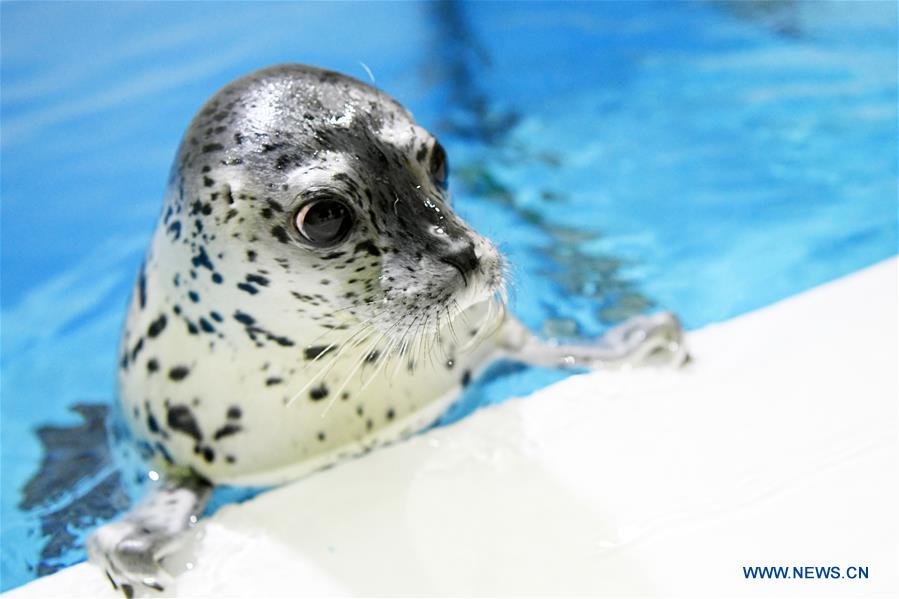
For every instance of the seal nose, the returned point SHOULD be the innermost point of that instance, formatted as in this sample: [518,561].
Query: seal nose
[464,260]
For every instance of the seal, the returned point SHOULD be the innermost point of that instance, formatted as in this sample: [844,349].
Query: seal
[309,294]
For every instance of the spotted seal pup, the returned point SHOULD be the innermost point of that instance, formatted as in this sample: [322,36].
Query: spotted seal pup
[308,294]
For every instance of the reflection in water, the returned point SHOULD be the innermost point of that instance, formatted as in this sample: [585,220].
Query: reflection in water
[781,16]
[458,58]
[76,487]
[459,62]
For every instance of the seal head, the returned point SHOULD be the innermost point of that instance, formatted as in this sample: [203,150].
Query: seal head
[306,241]
[332,176]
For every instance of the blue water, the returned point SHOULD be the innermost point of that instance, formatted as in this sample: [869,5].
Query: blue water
[704,158]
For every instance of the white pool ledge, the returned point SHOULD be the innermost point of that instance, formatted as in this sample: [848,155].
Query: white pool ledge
[776,446]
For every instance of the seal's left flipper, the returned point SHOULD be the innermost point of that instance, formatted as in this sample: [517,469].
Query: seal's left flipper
[656,339]
[131,549]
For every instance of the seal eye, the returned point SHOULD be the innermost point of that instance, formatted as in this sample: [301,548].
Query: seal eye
[324,221]
[439,166]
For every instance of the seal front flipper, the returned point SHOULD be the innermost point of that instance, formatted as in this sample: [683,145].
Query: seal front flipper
[130,550]
[656,339]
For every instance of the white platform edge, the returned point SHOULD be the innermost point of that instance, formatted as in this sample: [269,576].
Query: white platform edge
[776,446]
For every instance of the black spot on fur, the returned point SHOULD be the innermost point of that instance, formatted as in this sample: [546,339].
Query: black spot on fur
[245,319]
[280,234]
[152,424]
[202,259]
[163,450]
[227,430]
[318,393]
[257,279]
[311,353]
[156,326]
[367,246]
[137,347]
[253,331]
[179,373]
[181,419]
[142,287]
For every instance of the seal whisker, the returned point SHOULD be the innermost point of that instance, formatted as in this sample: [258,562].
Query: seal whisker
[322,372]
[363,357]
[421,350]
[386,356]
[406,343]
[449,321]
[327,332]
[347,342]
[351,306]
[500,307]
[466,318]
[439,341]
[424,346]
[478,331]
[428,344]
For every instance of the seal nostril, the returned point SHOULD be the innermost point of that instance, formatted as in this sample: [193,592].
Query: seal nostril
[465,261]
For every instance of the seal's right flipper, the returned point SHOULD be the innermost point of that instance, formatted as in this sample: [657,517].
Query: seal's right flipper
[131,549]
[656,339]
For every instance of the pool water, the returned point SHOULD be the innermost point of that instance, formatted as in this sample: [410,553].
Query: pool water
[705,158]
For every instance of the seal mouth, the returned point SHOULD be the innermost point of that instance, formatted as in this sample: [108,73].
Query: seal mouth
[464,259]
[485,281]
[458,266]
